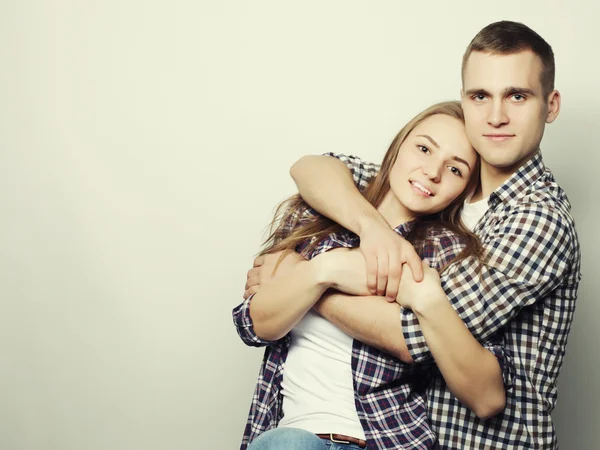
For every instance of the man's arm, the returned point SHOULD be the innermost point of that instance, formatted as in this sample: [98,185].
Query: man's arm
[473,373]
[284,300]
[369,319]
[290,286]
[527,257]
[269,314]
[331,186]
[327,185]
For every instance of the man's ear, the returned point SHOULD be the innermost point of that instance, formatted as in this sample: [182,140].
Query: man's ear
[553,106]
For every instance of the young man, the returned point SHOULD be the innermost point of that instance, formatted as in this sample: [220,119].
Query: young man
[527,288]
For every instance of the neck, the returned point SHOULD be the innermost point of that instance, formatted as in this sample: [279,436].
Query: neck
[491,178]
[393,211]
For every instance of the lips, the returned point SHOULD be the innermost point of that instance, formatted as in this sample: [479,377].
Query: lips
[420,189]
[499,137]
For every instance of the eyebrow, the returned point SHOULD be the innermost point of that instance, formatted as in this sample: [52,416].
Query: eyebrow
[455,158]
[511,90]
[460,160]
[430,139]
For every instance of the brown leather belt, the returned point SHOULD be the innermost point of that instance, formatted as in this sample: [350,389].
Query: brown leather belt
[343,439]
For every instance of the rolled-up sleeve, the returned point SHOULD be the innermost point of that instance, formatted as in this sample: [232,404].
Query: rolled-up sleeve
[363,172]
[440,247]
[244,327]
[507,365]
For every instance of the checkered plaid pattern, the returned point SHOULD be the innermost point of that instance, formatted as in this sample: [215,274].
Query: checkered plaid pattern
[389,395]
[525,291]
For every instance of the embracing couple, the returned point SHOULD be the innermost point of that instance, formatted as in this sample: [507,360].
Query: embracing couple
[424,302]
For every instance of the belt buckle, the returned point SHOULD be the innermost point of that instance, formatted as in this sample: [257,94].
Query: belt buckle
[336,441]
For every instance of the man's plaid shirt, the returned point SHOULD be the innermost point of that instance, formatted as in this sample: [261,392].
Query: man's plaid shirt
[389,395]
[527,290]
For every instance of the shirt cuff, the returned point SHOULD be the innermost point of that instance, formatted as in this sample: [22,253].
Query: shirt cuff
[413,337]
[507,364]
[245,327]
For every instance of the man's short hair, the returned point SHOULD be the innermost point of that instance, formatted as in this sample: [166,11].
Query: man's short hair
[506,38]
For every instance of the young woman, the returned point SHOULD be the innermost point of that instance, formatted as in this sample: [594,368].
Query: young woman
[318,388]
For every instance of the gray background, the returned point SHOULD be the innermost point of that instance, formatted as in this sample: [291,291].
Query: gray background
[143,147]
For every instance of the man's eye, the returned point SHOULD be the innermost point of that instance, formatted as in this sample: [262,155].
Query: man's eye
[479,97]
[518,97]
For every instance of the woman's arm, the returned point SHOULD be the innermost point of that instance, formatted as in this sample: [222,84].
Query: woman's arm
[285,294]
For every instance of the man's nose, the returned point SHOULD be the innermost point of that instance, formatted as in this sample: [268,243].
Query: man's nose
[497,114]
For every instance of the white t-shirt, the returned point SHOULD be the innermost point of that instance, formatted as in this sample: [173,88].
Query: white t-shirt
[317,385]
[473,212]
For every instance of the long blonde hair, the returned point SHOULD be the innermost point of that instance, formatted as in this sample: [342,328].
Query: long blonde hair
[288,231]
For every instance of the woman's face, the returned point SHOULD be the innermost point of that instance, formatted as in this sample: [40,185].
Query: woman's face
[433,165]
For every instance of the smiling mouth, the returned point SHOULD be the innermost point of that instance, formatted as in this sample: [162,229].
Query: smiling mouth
[421,189]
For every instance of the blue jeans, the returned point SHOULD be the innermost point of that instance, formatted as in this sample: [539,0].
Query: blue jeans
[295,439]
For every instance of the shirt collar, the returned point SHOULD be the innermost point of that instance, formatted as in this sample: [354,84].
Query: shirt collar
[518,182]
[348,238]
[404,228]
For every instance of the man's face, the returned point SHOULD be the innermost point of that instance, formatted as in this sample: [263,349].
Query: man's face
[505,108]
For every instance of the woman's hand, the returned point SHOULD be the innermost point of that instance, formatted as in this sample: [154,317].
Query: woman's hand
[267,266]
[417,296]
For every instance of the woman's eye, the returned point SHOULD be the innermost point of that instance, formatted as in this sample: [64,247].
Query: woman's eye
[455,171]
[423,148]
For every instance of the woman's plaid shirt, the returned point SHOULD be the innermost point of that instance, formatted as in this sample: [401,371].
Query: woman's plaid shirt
[389,395]
[526,290]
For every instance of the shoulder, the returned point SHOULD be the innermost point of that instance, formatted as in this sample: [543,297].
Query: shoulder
[353,161]
[440,245]
[544,208]
[363,172]
[538,222]
[443,236]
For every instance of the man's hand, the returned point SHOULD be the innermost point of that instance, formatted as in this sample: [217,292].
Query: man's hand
[264,269]
[385,251]
[413,295]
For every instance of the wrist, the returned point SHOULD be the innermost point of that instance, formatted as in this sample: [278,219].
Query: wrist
[428,305]
[369,219]
[323,271]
